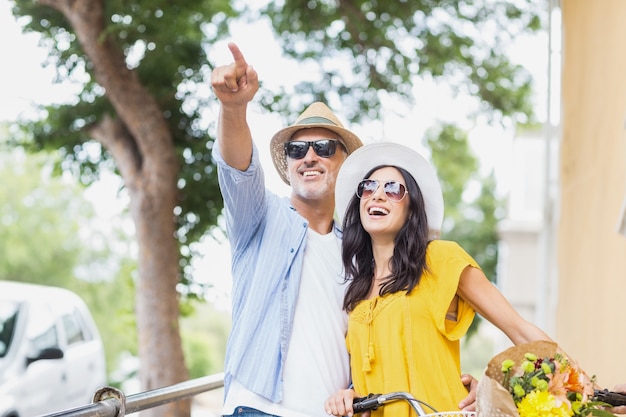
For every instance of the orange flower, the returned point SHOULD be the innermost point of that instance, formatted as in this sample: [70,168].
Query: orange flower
[574,381]
[558,385]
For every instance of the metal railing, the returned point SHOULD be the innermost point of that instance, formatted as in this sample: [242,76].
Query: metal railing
[111,402]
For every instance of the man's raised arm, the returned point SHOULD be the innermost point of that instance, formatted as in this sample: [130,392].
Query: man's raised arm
[235,85]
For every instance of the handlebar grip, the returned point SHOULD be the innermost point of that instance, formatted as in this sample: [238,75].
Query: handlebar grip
[365,403]
[614,398]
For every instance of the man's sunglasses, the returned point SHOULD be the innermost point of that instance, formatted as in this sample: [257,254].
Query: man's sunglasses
[325,148]
[394,190]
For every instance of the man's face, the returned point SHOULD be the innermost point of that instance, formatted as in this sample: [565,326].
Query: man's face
[313,176]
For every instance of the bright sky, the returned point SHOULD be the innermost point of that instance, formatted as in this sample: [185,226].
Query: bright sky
[23,79]
[24,82]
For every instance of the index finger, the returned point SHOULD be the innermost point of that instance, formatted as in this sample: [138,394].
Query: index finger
[240,61]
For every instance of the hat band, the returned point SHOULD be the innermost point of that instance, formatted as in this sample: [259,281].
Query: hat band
[316,120]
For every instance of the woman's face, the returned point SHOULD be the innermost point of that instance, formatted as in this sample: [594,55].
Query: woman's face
[381,212]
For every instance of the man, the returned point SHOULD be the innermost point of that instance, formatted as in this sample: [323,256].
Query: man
[286,352]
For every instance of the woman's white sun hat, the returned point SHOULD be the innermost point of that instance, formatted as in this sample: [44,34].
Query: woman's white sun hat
[367,157]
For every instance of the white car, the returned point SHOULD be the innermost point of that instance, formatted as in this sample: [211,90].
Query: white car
[51,354]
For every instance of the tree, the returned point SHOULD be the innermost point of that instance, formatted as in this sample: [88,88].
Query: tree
[141,65]
[135,109]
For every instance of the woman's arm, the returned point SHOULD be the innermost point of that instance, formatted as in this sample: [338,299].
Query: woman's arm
[488,301]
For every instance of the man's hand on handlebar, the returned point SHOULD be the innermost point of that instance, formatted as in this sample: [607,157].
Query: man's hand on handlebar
[620,388]
[469,402]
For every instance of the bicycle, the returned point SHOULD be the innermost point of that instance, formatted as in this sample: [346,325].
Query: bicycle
[374,401]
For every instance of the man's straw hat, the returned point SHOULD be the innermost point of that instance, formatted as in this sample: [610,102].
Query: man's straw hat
[316,115]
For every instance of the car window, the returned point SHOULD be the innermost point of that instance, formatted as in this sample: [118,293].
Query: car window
[40,330]
[8,317]
[74,327]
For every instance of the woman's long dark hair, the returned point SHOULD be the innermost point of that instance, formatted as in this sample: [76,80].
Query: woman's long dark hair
[408,262]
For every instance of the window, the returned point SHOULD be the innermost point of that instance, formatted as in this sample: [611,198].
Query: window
[8,317]
[73,325]
[41,331]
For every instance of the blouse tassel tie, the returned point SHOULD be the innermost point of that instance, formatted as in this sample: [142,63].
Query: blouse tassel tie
[369,356]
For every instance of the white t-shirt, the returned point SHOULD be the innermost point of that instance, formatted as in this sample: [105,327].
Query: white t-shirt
[317,363]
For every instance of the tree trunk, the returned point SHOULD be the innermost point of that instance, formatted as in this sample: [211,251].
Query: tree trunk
[139,139]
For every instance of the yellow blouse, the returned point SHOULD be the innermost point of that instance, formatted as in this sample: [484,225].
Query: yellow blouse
[403,342]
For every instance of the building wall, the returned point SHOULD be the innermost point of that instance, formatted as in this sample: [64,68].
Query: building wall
[591,310]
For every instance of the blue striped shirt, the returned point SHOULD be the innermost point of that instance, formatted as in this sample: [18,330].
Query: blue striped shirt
[267,238]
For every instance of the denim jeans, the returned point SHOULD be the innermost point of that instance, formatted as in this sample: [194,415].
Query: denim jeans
[249,412]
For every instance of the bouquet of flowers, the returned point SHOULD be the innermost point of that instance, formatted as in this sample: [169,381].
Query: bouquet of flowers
[536,380]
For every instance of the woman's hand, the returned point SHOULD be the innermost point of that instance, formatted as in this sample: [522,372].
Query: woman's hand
[340,404]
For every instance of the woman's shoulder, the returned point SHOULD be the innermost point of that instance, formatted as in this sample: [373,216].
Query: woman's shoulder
[442,246]
[448,250]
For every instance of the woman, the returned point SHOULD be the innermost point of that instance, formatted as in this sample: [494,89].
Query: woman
[410,297]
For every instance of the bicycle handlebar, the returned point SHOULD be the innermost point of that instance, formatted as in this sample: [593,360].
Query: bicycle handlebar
[610,397]
[366,403]
[373,401]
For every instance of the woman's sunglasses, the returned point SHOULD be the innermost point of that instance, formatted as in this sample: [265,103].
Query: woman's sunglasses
[297,149]
[394,190]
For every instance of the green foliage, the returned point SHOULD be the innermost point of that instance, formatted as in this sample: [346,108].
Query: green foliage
[469,220]
[165,42]
[40,220]
[456,166]
[386,44]
[200,359]
[112,304]
[204,336]
[46,237]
